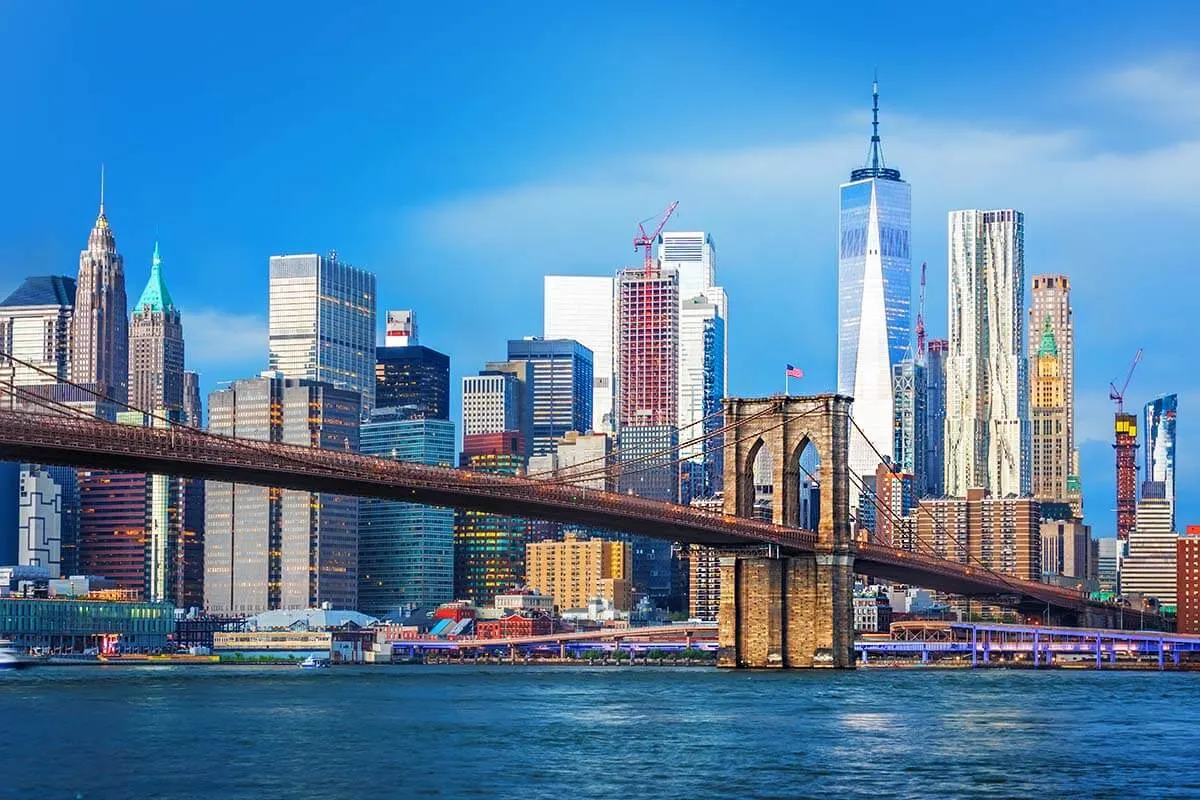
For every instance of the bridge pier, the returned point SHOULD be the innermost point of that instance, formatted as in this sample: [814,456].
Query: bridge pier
[779,613]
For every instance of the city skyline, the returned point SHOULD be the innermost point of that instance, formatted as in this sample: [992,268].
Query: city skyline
[754,256]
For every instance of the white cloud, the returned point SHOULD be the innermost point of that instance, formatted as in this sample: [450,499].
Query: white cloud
[1165,89]
[225,344]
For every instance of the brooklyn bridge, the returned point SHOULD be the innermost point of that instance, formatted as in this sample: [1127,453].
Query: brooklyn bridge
[786,592]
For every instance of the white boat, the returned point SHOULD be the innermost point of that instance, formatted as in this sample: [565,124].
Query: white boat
[11,659]
[313,663]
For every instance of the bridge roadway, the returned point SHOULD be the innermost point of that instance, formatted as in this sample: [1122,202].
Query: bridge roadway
[55,439]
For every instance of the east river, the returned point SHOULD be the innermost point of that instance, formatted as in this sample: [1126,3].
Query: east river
[642,732]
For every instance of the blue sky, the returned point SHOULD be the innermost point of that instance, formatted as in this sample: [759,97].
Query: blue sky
[463,154]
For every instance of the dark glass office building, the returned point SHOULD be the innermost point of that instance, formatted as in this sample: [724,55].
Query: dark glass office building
[562,388]
[415,379]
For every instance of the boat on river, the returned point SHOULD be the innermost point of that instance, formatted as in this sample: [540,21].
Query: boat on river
[11,658]
[314,663]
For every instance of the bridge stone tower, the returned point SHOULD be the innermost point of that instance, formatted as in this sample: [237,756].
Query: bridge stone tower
[796,611]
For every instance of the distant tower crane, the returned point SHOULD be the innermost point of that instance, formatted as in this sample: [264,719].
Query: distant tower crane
[921,320]
[1125,445]
[647,241]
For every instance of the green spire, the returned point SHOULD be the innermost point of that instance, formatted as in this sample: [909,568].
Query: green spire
[1048,347]
[155,295]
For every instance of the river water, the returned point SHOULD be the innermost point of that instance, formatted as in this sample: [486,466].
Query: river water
[545,732]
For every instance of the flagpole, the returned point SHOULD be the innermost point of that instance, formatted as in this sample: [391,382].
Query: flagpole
[786,385]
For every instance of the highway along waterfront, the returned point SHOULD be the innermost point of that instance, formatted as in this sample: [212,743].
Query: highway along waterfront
[540,732]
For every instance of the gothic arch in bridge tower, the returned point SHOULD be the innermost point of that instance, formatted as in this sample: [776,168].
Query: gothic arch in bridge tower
[786,427]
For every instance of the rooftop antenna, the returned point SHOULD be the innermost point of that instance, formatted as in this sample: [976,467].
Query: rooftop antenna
[102,188]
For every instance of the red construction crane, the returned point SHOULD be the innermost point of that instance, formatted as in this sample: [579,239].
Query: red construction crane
[921,320]
[647,240]
[1118,395]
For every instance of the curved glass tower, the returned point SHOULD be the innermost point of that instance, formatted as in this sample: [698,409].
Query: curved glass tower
[874,298]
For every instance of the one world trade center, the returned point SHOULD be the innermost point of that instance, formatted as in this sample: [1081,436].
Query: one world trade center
[874,299]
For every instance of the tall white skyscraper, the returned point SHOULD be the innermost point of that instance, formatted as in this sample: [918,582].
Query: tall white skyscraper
[693,256]
[988,435]
[400,330]
[874,299]
[581,308]
[322,322]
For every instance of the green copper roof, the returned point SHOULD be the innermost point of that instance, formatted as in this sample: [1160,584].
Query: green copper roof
[155,295]
[1048,347]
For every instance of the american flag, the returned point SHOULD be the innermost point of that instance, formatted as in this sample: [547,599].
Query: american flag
[794,372]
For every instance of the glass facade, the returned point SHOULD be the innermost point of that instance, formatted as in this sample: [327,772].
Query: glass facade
[489,549]
[649,470]
[935,411]
[415,379]
[562,388]
[267,548]
[908,446]
[405,550]
[75,625]
[1160,445]
[322,322]
[701,390]
[874,306]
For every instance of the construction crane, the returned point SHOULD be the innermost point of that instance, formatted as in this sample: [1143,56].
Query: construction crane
[647,241]
[1118,395]
[921,320]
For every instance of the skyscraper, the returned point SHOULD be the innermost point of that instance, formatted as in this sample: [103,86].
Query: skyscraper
[1149,567]
[489,403]
[702,357]
[1160,445]
[156,347]
[910,434]
[405,550]
[1050,306]
[35,325]
[693,256]
[400,329]
[935,410]
[414,378]
[581,308]
[39,521]
[322,322]
[193,411]
[562,387]
[1050,461]
[987,394]
[874,298]
[99,340]
[489,549]
[267,548]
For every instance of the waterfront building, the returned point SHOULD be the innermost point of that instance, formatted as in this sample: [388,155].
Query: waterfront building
[514,625]
[39,521]
[561,396]
[1051,455]
[1160,445]
[1066,550]
[413,378]
[489,549]
[987,393]
[1187,581]
[35,326]
[578,569]
[1002,534]
[935,416]
[872,613]
[1149,568]
[524,600]
[704,569]
[268,548]
[99,339]
[581,308]
[321,321]
[156,381]
[874,298]
[112,529]
[909,436]
[1050,309]
[400,329]
[405,550]
[77,624]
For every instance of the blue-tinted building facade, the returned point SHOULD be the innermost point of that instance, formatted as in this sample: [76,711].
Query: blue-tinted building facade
[415,379]
[1160,445]
[405,550]
[562,388]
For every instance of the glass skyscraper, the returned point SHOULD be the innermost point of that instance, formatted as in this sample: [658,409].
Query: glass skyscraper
[935,418]
[322,322]
[581,308]
[413,378]
[1160,445]
[405,550]
[562,388]
[874,297]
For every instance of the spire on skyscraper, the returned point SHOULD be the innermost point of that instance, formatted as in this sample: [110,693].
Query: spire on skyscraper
[875,167]
[155,296]
[101,239]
